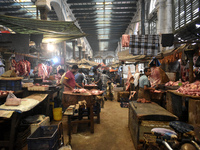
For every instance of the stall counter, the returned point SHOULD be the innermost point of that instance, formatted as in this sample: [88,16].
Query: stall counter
[15,116]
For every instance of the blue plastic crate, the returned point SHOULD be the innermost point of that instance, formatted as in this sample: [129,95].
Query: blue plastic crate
[44,138]
[2,85]
[3,88]
[13,88]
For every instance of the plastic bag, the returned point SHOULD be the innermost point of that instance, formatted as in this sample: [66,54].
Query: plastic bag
[154,62]
[12,100]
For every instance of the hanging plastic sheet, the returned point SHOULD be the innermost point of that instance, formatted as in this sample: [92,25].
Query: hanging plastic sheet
[154,62]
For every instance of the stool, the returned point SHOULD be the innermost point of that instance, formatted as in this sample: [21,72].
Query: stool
[70,111]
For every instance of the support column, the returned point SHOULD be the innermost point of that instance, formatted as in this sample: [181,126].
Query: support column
[43,13]
[80,50]
[83,54]
[161,17]
[74,55]
[44,7]
[169,16]
[64,54]
[86,56]
[161,20]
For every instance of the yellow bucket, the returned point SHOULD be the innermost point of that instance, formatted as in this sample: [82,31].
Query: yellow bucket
[57,114]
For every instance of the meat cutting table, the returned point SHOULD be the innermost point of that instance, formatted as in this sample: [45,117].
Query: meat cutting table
[145,116]
[184,106]
[15,116]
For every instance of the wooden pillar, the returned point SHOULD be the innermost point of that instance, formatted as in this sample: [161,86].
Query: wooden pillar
[86,56]
[194,111]
[80,50]
[43,13]
[74,55]
[190,54]
[191,77]
[64,54]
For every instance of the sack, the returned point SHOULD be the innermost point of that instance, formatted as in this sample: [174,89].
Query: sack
[12,100]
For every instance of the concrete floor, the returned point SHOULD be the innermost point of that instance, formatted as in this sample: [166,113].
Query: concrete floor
[111,134]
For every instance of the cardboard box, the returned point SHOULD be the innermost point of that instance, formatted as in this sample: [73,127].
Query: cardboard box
[38,88]
[25,85]
[45,122]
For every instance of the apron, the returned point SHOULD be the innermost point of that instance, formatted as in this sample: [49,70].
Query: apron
[144,94]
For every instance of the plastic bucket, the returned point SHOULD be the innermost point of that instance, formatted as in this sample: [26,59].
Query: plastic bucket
[57,114]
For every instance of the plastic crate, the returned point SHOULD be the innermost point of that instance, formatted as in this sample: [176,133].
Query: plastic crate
[44,138]
[44,122]
[13,85]
[124,99]
[3,85]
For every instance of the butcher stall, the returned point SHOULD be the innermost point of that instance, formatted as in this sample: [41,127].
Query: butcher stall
[11,120]
[145,116]
[185,102]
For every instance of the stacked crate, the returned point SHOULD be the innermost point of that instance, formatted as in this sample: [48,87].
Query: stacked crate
[45,137]
[10,84]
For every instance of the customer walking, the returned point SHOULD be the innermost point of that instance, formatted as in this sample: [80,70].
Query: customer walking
[105,78]
[79,78]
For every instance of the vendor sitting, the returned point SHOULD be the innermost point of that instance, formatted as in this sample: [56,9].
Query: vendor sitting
[144,85]
[69,79]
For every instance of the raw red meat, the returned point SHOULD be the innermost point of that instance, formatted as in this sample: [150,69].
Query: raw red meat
[155,77]
[13,102]
[142,100]
[82,90]
[190,89]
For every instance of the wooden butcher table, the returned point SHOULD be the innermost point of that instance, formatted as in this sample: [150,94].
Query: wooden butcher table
[145,116]
[186,107]
[90,86]
[70,98]
[13,115]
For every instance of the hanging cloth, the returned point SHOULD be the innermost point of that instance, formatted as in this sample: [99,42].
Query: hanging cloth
[167,40]
[144,45]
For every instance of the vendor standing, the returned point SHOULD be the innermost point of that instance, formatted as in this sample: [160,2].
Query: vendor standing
[60,83]
[97,79]
[144,85]
[69,79]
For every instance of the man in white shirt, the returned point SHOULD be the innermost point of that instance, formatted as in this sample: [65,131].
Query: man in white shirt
[62,73]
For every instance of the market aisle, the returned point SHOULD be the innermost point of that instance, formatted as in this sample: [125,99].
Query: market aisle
[111,134]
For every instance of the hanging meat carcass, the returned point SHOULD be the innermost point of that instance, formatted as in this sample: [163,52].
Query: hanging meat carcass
[158,76]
